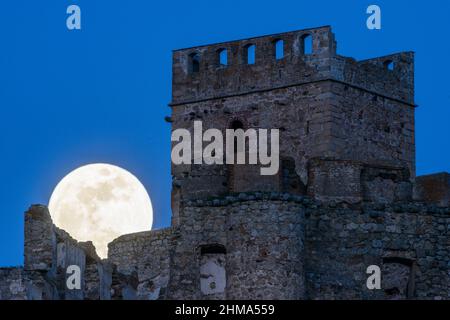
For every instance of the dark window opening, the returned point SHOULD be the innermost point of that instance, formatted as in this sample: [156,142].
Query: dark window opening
[194,63]
[392,291]
[213,249]
[279,49]
[236,124]
[389,65]
[223,57]
[291,182]
[404,261]
[307,44]
[250,53]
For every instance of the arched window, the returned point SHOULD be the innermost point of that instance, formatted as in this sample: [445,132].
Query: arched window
[307,44]
[389,65]
[250,53]
[223,57]
[279,49]
[194,62]
[236,124]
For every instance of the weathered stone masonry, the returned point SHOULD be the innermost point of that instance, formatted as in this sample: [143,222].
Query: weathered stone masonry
[346,195]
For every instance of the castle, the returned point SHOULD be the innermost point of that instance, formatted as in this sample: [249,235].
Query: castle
[346,195]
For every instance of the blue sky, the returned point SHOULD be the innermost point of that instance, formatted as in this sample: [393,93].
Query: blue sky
[69,98]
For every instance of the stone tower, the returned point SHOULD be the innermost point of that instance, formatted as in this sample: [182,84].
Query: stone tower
[339,119]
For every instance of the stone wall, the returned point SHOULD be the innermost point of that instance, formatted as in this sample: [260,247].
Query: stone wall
[145,255]
[255,246]
[12,284]
[343,240]
[375,76]
[356,181]
[48,253]
[248,247]
[369,127]
[262,236]
[298,112]
[281,246]
[433,188]
[237,77]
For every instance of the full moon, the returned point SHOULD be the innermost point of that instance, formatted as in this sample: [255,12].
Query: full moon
[100,202]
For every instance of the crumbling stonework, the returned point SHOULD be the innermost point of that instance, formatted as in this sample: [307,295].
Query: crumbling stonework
[12,286]
[261,241]
[342,200]
[343,240]
[48,253]
[147,256]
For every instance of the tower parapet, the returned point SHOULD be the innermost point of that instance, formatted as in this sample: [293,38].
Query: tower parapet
[198,73]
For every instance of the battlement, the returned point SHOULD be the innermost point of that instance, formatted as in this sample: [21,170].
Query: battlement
[390,76]
[281,60]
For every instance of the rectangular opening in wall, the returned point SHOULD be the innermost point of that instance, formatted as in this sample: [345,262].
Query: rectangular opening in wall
[398,278]
[279,49]
[307,44]
[212,269]
[250,49]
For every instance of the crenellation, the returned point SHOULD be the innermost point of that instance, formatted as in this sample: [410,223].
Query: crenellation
[214,80]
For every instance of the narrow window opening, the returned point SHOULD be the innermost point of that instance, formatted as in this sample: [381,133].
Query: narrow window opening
[235,125]
[223,57]
[194,63]
[279,49]
[250,51]
[307,44]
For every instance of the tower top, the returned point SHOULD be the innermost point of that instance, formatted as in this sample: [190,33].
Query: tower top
[280,60]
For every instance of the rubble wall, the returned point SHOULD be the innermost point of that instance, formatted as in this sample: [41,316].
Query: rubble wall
[412,238]
[260,239]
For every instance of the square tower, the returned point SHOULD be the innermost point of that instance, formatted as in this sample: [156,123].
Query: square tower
[326,106]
